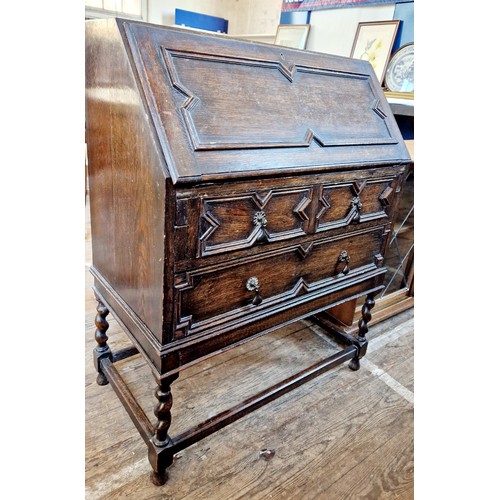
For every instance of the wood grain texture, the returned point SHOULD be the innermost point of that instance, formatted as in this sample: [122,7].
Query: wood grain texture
[400,368]
[215,222]
[236,222]
[126,179]
[257,85]
[354,452]
[145,227]
[190,269]
[204,139]
[344,447]
[323,453]
[283,275]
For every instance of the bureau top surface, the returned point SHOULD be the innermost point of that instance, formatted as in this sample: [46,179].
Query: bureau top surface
[223,108]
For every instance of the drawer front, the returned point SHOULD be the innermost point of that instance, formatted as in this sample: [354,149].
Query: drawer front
[215,221]
[238,222]
[342,204]
[224,293]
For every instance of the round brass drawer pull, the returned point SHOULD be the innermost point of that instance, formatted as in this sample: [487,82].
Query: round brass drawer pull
[345,258]
[253,285]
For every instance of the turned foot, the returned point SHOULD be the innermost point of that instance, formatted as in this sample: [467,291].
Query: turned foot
[354,364]
[101,379]
[159,478]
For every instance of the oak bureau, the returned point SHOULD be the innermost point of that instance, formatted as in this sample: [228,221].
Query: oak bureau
[234,187]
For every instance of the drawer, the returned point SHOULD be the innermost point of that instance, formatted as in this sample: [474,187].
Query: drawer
[216,221]
[344,203]
[240,221]
[265,284]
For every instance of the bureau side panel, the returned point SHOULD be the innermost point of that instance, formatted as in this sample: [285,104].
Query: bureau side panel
[126,181]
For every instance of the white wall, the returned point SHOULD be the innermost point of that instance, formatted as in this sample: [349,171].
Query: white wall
[163,11]
[244,16]
[256,17]
[333,30]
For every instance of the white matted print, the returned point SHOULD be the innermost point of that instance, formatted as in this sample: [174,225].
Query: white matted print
[373,42]
[292,35]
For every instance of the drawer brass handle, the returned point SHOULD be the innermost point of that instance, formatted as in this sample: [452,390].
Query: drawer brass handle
[345,258]
[253,285]
[357,206]
[259,219]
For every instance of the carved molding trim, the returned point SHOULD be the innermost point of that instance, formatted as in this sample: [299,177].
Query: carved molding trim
[378,109]
[182,282]
[401,179]
[289,70]
[213,225]
[300,208]
[301,291]
[358,186]
[260,231]
[261,201]
[354,213]
[324,204]
[385,196]
[378,259]
[186,325]
[304,250]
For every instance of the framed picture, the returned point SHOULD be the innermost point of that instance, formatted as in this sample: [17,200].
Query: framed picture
[292,35]
[373,42]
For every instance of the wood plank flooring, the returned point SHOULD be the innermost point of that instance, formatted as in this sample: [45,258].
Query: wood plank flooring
[344,435]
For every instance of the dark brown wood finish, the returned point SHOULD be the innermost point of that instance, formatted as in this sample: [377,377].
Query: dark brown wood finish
[259,215]
[206,139]
[102,350]
[219,421]
[361,341]
[235,187]
[129,245]
[398,293]
[284,275]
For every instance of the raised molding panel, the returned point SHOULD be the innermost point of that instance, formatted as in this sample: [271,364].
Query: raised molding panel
[237,222]
[314,272]
[216,119]
[357,202]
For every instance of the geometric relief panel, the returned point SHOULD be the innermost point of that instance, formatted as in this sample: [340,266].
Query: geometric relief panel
[220,94]
[232,223]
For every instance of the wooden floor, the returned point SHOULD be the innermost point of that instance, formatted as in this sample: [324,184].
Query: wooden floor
[355,441]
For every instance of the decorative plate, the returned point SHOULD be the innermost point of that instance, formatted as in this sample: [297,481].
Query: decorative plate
[399,76]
